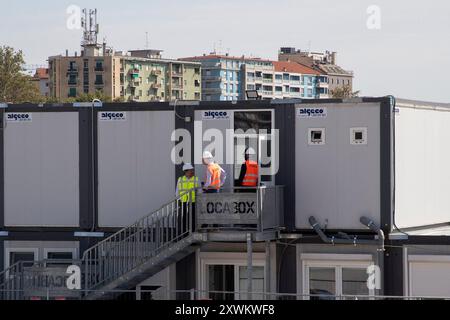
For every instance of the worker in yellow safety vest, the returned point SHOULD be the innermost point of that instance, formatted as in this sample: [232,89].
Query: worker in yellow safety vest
[185,191]
[215,175]
[187,183]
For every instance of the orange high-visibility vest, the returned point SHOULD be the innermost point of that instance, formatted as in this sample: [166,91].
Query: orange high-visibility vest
[251,174]
[214,171]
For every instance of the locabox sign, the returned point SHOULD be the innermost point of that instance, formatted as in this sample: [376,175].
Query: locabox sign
[227,208]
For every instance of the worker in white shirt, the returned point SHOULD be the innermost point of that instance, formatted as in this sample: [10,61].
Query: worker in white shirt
[215,175]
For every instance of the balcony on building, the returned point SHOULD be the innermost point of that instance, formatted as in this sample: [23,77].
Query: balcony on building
[211,90]
[177,70]
[156,72]
[278,78]
[135,83]
[211,78]
[267,78]
[155,85]
[278,91]
[134,73]
[296,80]
[177,85]
[322,82]
[258,76]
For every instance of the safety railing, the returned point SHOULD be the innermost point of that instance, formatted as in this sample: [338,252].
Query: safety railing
[163,293]
[130,247]
[28,279]
[258,209]
[11,282]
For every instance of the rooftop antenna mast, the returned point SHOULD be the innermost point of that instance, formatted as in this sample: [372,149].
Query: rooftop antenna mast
[146,40]
[90,27]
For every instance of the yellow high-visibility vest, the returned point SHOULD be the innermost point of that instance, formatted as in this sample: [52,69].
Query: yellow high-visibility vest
[184,185]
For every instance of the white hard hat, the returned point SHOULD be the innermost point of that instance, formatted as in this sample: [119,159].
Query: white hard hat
[250,152]
[188,166]
[207,155]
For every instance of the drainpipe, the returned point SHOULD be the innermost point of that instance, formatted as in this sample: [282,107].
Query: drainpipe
[373,226]
[380,256]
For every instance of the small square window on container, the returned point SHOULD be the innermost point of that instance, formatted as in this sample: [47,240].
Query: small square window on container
[358,136]
[316,136]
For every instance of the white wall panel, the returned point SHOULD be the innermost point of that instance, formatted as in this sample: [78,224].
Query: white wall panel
[135,173]
[41,165]
[338,182]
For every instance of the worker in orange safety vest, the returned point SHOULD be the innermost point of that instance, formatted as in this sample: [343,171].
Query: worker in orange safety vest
[249,176]
[215,175]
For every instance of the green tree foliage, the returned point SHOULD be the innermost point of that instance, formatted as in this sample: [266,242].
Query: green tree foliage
[343,92]
[16,87]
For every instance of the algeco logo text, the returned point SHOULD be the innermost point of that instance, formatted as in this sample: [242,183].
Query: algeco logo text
[112,116]
[18,117]
[213,115]
[311,112]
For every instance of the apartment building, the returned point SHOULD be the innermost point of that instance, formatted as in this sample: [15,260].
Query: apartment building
[223,76]
[127,76]
[324,62]
[40,80]
[284,80]
[137,75]
[71,76]
[156,79]
[226,77]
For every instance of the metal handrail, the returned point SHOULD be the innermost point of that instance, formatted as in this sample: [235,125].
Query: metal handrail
[120,255]
[131,246]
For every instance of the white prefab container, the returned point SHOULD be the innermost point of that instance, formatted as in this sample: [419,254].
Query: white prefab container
[422,158]
[135,172]
[41,169]
[337,164]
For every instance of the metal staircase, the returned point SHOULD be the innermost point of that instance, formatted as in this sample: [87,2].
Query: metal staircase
[139,251]
[126,258]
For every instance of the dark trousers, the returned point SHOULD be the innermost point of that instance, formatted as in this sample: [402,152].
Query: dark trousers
[186,209]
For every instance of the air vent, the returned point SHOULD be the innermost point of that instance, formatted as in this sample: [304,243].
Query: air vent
[316,136]
[358,136]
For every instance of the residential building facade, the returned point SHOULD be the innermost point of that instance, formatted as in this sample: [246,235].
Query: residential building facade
[227,78]
[334,76]
[126,76]
[40,79]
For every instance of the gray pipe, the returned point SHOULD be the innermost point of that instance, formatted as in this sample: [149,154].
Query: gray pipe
[375,228]
[333,240]
[381,238]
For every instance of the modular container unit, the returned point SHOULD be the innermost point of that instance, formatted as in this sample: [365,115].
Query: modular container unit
[71,176]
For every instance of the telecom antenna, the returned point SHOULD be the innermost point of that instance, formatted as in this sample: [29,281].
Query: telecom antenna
[146,40]
[90,27]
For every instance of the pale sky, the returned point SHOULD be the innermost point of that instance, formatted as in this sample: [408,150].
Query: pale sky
[408,57]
